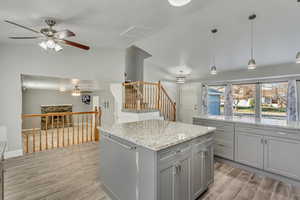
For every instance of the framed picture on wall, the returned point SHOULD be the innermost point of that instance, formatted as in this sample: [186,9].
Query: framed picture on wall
[86,99]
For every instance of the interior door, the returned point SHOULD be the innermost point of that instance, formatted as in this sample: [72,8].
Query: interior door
[189,101]
[249,149]
[281,156]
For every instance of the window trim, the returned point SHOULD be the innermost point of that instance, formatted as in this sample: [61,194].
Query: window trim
[258,82]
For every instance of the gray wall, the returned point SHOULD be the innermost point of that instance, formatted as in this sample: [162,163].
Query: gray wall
[96,64]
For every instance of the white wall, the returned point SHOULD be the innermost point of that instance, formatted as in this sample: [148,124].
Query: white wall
[96,64]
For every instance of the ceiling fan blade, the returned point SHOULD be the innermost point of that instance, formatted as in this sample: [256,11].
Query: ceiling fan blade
[33,37]
[75,44]
[63,34]
[13,23]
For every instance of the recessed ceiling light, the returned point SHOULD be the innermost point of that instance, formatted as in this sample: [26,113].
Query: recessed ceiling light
[179,3]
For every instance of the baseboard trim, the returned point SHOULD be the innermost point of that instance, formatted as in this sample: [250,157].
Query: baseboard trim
[11,154]
[259,172]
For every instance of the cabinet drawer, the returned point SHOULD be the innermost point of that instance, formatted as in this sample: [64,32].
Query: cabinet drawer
[269,131]
[218,124]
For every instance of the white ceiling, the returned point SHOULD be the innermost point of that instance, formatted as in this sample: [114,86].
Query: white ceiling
[188,42]
[98,23]
[175,37]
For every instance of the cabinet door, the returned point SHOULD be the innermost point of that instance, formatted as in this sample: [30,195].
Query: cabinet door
[198,172]
[167,182]
[209,165]
[249,149]
[183,177]
[281,157]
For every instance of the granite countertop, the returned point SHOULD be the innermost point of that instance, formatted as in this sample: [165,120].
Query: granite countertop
[156,135]
[255,121]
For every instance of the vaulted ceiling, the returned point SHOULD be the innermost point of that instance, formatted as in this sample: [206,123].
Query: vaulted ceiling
[177,38]
[187,44]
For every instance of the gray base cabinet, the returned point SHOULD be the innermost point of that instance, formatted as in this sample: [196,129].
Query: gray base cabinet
[281,156]
[272,149]
[180,172]
[249,149]
[224,137]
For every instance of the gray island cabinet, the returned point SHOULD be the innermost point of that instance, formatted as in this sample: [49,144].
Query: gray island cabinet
[156,160]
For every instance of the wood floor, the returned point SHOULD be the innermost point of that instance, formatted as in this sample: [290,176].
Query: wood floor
[73,174]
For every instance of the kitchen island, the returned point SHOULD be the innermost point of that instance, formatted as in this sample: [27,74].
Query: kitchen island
[156,160]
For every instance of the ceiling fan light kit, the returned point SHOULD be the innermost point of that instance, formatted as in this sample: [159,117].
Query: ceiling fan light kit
[179,3]
[52,38]
[181,78]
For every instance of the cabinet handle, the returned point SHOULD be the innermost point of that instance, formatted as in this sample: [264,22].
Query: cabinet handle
[281,133]
[262,141]
[266,141]
[118,143]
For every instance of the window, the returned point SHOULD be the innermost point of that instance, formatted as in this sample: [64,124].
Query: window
[215,100]
[244,99]
[274,100]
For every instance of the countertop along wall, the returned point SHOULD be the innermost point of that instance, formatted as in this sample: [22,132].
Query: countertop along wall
[96,64]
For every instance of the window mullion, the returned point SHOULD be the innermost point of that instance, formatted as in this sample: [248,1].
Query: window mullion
[258,100]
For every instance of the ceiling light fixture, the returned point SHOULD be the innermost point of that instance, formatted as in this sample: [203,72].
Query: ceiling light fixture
[50,44]
[298,58]
[179,3]
[181,78]
[252,62]
[213,69]
[76,92]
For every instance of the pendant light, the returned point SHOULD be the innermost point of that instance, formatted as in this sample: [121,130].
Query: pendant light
[213,69]
[179,3]
[76,91]
[252,62]
[298,58]
[181,78]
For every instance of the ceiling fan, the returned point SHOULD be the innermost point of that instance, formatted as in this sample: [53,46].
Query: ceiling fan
[51,38]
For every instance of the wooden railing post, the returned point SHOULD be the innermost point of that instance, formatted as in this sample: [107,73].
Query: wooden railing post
[158,95]
[97,123]
[174,110]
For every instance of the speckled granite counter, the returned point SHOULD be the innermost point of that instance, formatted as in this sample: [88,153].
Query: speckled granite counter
[255,121]
[156,134]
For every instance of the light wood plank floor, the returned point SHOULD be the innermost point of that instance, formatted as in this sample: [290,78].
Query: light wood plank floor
[73,174]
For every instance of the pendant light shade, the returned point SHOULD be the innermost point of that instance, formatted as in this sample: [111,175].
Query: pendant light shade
[179,3]
[213,69]
[298,58]
[252,62]
[76,92]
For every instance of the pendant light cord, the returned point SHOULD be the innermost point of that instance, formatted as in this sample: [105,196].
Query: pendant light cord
[252,39]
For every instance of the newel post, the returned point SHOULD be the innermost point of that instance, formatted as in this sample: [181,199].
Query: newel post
[97,123]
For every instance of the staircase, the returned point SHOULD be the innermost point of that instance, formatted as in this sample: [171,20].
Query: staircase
[142,97]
